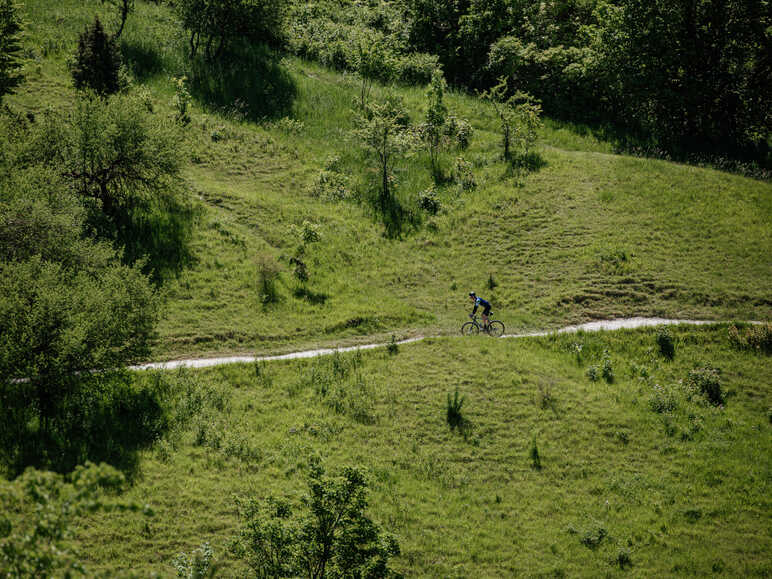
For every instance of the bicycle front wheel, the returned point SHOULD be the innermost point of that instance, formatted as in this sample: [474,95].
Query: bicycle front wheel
[470,329]
[496,329]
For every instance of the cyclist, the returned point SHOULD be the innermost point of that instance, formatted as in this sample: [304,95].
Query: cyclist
[485,305]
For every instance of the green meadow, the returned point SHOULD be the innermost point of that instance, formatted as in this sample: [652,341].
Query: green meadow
[588,454]
[622,486]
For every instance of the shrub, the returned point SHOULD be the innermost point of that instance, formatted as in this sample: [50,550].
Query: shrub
[97,64]
[36,517]
[416,68]
[607,371]
[429,202]
[328,531]
[593,536]
[662,399]
[268,274]
[181,101]
[461,130]
[593,373]
[453,414]
[10,47]
[197,565]
[330,186]
[463,175]
[665,343]
[707,381]
[492,283]
[393,347]
[755,337]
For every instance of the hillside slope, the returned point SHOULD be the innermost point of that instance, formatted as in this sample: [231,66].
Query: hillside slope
[587,235]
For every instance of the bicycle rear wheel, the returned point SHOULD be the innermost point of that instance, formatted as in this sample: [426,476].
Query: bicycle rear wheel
[470,329]
[495,328]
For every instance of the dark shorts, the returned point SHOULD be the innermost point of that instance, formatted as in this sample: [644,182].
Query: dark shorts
[486,311]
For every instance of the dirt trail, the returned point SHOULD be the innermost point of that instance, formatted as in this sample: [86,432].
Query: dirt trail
[588,327]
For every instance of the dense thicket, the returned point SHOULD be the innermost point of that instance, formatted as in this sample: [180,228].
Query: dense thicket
[214,25]
[684,76]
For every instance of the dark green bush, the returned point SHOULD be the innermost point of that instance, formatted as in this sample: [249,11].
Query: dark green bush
[97,64]
[665,343]
[328,534]
[429,202]
[707,381]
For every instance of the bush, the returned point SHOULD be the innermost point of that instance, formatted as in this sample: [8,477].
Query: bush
[36,518]
[707,381]
[416,68]
[330,186]
[757,337]
[663,400]
[197,565]
[463,175]
[97,64]
[10,47]
[393,347]
[429,202]
[328,531]
[267,275]
[665,343]
[607,371]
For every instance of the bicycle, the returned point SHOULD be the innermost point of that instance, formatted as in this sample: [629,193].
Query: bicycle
[495,328]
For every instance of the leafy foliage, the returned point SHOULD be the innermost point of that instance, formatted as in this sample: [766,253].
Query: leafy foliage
[216,25]
[383,130]
[38,509]
[519,115]
[328,536]
[124,163]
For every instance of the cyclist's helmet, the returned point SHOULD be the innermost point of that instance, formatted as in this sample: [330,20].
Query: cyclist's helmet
[472,295]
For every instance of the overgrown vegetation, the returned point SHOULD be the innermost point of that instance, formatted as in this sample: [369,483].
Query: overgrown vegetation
[329,535]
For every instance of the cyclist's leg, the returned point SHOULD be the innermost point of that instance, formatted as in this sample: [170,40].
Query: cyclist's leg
[485,314]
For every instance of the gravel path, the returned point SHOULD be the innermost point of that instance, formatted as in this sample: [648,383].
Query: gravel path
[588,327]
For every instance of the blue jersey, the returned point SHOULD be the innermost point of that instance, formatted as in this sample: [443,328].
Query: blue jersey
[481,302]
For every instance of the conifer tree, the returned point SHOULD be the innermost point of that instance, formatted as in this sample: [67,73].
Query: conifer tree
[97,61]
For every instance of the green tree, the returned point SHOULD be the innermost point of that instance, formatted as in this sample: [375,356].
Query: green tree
[36,517]
[382,129]
[10,47]
[125,7]
[693,74]
[329,536]
[373,63]
[520,119]
[124,163]
[217,24]
[97,64]
[433,130]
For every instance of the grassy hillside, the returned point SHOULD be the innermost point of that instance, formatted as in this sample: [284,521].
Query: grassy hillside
[639,474]
[587,235]
[624,487]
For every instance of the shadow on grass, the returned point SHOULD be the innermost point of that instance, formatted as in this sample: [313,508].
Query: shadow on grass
[142,60]
[104,418]
[157,231]
[249,81]
[312,297]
